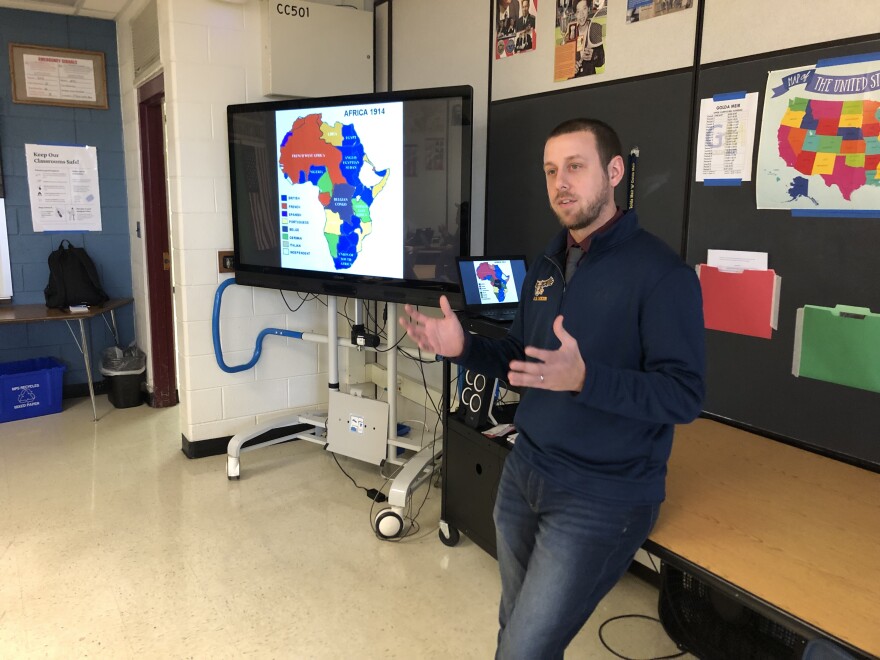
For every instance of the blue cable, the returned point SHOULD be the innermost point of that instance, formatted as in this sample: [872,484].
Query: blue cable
[215,331]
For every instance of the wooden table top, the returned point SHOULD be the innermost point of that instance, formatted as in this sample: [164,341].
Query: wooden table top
[793,528]
[38,312]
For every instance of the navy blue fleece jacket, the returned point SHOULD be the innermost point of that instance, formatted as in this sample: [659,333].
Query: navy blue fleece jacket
[635,309]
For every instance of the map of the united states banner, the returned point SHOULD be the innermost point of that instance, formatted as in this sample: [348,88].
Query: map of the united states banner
[820,137]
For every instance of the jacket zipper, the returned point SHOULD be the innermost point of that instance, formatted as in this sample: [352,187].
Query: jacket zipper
[564,284]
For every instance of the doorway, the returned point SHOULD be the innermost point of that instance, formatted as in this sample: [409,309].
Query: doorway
[151,119]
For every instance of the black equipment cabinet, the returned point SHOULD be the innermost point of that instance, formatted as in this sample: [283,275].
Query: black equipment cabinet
[472,465]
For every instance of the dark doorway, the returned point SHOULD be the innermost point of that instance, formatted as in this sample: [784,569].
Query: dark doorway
[151,97]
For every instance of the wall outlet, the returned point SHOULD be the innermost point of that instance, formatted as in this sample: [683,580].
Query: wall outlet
[225,261]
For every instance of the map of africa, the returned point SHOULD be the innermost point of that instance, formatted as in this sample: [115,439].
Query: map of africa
[837,140]
[495,277]
[332,158]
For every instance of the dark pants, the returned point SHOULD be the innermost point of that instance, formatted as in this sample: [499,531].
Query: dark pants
[559,553]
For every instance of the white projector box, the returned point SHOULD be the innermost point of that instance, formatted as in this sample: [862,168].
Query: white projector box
[312,50]
[357,427]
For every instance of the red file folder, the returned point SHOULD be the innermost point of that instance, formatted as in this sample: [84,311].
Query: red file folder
[745,302]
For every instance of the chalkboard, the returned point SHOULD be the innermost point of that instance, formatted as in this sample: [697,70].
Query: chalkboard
[651,113]
[822,261]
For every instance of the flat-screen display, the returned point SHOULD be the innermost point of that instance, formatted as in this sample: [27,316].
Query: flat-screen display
[365,196]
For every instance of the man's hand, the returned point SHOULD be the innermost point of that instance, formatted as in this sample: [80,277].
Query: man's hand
[441,336]
[562,370]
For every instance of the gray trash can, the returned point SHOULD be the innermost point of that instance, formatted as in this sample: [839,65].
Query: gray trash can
[124,371]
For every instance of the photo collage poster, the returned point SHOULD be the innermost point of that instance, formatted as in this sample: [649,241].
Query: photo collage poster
[580,38]
[515,27]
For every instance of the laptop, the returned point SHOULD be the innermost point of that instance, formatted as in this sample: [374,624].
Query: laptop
[491,286]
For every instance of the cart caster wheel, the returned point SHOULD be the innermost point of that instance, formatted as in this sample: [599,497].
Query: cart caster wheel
[388,524]
[451,540]
[233,468]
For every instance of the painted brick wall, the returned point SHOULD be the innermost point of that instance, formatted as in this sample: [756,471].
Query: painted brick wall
[21,124]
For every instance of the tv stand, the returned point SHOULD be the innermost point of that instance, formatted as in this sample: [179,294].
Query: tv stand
[390,522]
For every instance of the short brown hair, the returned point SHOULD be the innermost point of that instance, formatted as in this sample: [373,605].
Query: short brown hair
[607,141]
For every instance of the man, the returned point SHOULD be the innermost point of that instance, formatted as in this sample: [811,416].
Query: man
[525,22]
[523,42]
[591,41]
[609,356]
[507,9]
[582,14]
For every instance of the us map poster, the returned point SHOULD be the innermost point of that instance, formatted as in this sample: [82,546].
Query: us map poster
[580,39]
[819,147]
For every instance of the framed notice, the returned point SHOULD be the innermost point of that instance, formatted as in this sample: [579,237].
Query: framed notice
[58,76]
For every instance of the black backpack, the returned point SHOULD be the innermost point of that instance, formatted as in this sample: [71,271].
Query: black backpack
[73,278]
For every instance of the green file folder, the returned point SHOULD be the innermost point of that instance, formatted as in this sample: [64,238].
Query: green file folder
[839,345]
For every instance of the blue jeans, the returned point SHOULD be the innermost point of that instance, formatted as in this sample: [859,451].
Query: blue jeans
[559,553]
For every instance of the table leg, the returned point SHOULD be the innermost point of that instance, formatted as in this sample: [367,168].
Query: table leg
[115,330]
[85,352]
[112,326]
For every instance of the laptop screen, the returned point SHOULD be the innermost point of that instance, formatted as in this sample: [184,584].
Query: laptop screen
[489,282]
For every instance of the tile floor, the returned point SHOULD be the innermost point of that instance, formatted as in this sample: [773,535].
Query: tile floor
[113,544]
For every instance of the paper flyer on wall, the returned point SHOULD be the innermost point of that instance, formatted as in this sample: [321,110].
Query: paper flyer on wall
[726,137]
[642,10]
[5,267]
[515,27]
[580,39]
[819,148]
[60,78]
[63,185]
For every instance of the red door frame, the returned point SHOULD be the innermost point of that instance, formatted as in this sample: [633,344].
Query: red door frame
[151,96]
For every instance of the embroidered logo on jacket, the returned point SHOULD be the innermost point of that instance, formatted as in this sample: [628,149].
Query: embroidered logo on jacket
[540,285]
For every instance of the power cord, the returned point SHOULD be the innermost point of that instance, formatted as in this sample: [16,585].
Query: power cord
[391,348]
[633,616]
[374,494]
[303,301]
[373,316]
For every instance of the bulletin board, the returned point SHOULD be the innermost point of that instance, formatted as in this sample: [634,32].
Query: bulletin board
[651,113]
[823,261]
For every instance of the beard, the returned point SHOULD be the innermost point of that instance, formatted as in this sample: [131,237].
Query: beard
[588,212]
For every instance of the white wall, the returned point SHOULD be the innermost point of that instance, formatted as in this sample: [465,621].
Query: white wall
[422,55]
[131,141]
[748,27]
[659,44]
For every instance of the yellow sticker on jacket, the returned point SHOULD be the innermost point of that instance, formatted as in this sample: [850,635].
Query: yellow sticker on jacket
[540,286]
